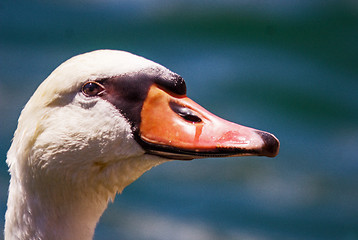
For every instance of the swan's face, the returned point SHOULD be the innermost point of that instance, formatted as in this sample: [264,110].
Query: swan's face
[101,109]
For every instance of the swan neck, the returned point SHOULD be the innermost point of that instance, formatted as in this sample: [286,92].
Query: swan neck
[45,204]
[52,213]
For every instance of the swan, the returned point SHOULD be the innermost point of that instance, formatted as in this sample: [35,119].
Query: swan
[96,124]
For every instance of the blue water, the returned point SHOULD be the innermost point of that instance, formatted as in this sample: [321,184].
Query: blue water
[287,68]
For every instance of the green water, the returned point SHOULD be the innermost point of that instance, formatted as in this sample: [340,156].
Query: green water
[290,69]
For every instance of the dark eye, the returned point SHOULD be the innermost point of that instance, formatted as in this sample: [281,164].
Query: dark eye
[185,112]
[91,89]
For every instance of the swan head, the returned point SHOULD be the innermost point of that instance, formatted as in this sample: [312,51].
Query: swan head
[97,123]
[107,116]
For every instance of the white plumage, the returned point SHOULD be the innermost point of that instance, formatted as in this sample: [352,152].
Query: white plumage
[62,147]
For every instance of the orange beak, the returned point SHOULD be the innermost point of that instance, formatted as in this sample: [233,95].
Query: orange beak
[176,127]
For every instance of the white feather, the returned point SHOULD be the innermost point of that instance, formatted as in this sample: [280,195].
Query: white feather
[70,155]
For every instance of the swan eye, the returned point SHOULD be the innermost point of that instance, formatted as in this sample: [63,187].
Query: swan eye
[185,113]
[91,89]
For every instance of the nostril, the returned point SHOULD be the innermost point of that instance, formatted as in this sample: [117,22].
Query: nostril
[190,118]
[185,112]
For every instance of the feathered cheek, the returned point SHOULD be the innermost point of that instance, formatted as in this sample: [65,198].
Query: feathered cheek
[113,133]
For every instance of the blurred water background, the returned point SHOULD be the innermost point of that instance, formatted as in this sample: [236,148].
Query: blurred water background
[287,67]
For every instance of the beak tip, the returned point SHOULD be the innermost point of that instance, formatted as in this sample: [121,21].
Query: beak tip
[271,144]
